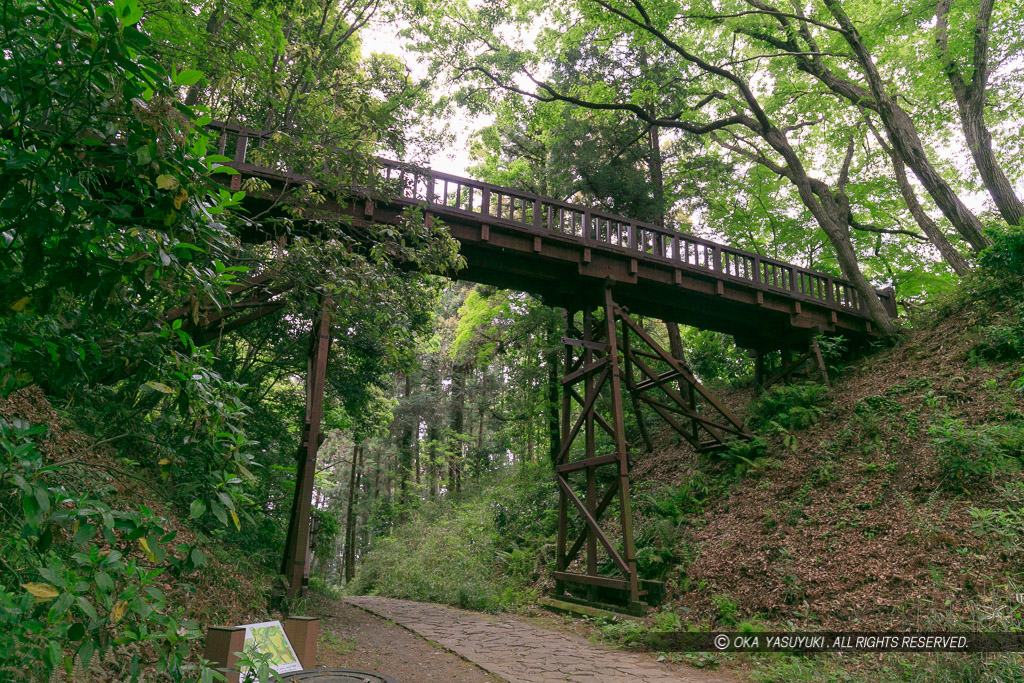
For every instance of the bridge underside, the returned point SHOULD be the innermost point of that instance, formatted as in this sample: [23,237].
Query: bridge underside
[566,273]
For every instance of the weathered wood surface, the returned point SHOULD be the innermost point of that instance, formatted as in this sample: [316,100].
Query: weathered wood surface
[563,252]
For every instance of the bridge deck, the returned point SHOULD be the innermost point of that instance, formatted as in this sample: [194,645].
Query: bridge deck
[564,252]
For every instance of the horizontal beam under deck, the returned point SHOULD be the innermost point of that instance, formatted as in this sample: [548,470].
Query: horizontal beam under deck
[565,253]
[565,273]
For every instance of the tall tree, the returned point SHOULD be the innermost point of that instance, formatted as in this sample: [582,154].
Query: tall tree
[970,91]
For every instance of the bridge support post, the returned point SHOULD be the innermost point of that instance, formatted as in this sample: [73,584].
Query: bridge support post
[295,565]
[602,356]
[592,359]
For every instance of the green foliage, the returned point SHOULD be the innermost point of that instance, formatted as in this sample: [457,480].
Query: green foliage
[478,551]
[524,506]
[745,450]
[449,558]
[624,632]
[971,457]
[715,357]
[1006,524]
[86,222]
[1006,255]
[728,609]
[661,512]
[1002,341]
[81,576]
[791,407]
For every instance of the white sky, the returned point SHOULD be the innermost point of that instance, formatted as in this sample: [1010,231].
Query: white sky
[381,37]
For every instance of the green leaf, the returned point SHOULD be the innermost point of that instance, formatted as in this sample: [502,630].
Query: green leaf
[85,533]
[197,509]
[219,512]
[129,12]
[104,582]
[188,77]
[43,498]
[160,386]
[87,608]
[85,654]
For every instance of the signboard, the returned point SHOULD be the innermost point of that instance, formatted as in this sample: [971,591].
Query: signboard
[268,638]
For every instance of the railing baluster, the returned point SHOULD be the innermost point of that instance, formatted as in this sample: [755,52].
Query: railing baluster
[423,184]
[241,147]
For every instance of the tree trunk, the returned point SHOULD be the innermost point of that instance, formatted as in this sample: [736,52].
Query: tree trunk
[935,235]
[655,166]
[349,560]
[213,26]
[458,425]
[432,472]
[903,134]
[675,346]
[405,455]
[970,102]
[833,219]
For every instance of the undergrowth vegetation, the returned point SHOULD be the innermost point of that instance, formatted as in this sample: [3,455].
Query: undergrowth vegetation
[940,450]
[479,549]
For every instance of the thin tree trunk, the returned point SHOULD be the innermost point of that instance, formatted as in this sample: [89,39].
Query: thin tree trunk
[213,26]
[904,136]
[349,555]
[935,235]
[529,436]
[458,425]
[432,472]
[655,166]
[405,456]
[970,102]
[675,345]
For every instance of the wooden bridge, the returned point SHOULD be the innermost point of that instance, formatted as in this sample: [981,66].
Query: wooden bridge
[559,251]
[604,270]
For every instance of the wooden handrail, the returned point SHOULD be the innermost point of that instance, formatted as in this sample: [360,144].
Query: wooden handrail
[545,215]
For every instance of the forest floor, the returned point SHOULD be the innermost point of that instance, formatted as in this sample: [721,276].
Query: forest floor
[415,641]
[353,638]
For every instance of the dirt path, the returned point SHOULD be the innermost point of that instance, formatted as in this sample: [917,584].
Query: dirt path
[351,638]
[518,651]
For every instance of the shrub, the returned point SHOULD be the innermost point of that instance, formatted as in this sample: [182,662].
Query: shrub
[790,407]
[714,356]
[479,551]
[1002,341]
[728,608]
[81,577]
[1006,255]
[451,559]
[971,457]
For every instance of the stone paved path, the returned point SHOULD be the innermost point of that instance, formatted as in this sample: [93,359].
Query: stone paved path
[521,652]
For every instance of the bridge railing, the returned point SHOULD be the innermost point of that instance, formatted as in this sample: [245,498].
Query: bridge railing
[545,216]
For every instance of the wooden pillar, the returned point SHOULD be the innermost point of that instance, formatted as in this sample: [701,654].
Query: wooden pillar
[295,565]
[590,448]
[619,428]
[303,632]
[566,427]
[222,645]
